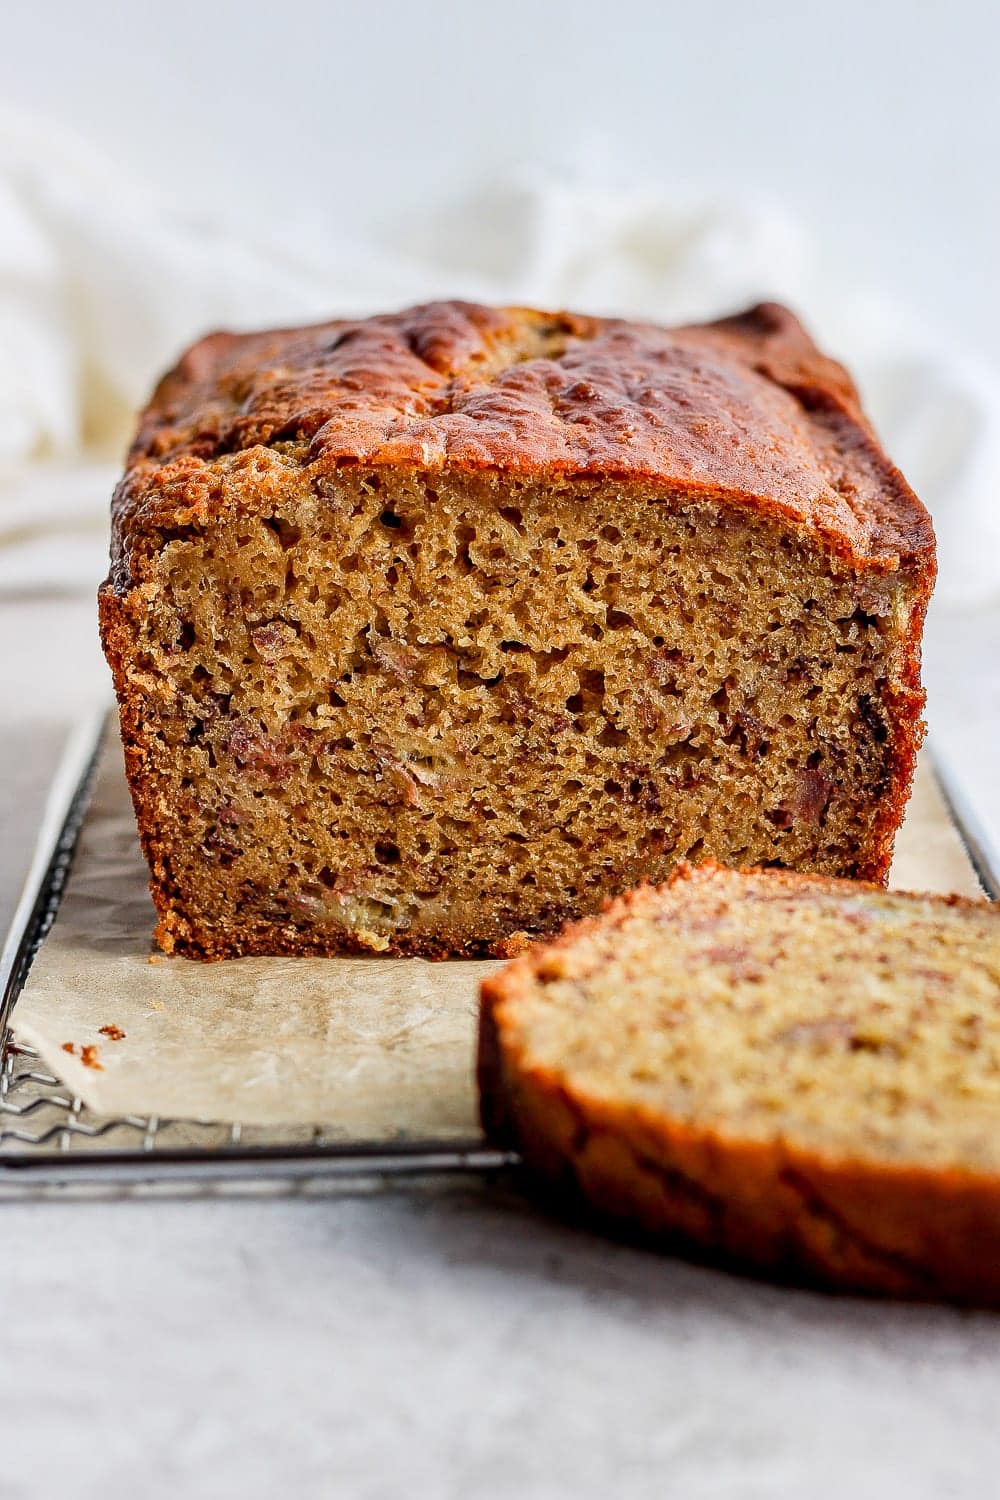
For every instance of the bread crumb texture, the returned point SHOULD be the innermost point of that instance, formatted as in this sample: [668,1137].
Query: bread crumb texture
[797,1071]
[434,630]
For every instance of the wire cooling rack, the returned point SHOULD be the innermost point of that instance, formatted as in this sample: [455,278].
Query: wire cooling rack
[51,1144]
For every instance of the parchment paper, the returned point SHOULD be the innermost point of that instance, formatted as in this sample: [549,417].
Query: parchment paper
[372,1048]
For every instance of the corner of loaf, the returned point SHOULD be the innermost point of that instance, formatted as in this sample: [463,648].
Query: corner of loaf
[436,628]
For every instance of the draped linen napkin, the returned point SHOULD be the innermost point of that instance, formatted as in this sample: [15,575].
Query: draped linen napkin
[102,283]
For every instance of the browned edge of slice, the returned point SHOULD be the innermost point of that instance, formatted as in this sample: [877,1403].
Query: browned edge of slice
[838,1222]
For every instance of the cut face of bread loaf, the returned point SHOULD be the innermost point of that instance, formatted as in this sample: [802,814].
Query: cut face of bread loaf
[440,627]
[800,1073]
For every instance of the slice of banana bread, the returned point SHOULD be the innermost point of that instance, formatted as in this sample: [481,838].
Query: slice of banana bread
[797,1072]
[442,626]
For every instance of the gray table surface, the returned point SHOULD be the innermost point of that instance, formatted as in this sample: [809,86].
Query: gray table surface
[451,1342]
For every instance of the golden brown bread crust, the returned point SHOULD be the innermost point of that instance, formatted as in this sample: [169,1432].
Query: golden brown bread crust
[850,1223]
[745,412]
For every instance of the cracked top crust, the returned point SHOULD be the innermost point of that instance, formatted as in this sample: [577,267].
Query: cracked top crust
[745,410]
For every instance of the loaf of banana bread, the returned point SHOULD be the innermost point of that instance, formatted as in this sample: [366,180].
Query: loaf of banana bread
[436,628]
[799,1073]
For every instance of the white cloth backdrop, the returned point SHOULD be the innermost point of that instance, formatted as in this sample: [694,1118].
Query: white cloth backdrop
[102,283]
